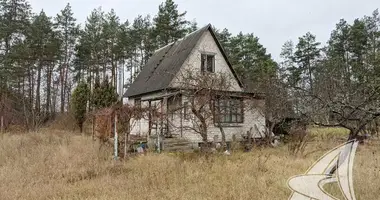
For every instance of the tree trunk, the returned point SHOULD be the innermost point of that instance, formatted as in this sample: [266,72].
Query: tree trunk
[48,90]
[353,134]
[38,96]
[223,135]
[61,75]
[66,89]
[205,146]
[81,128]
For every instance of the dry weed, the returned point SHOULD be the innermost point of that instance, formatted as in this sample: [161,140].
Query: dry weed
[62,165]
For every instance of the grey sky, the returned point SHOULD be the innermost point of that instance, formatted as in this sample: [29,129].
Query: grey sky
[273,21]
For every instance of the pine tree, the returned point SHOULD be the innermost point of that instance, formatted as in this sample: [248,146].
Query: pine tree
[338,50]
[193,26]
[111,28]
[143,42]
[124,44]
[224,38]
[249,59]
[169,23]
[68,32]
[306,55]
[42,39]
[90,50]
[14,23]
[358,41]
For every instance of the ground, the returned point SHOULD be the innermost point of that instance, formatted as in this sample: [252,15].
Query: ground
[63,165]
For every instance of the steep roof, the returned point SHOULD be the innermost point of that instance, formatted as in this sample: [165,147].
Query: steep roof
[164,64]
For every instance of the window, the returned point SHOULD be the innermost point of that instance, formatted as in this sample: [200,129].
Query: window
[229,110]
[186,115]
[207,63]
[138,103]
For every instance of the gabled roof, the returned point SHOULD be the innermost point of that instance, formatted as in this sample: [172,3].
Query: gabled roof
[164,64]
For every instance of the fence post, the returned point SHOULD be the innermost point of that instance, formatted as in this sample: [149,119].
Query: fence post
[116,138]
[1,124]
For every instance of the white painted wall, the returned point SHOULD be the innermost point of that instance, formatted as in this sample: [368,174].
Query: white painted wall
[252,117]
[206,44]
[141,127]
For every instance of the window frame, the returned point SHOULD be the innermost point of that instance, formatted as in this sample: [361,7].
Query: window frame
[204,62]
[186,113]
[138,102]
[232,110]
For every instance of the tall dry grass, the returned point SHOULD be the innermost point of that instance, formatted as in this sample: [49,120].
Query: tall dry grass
[62,165]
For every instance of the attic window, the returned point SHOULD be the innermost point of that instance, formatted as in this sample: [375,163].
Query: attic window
[207,63]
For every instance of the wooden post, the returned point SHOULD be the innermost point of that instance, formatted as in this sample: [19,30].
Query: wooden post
[150,118]
[115,139]
[2,124]
[93,127]
[126,134]
[125,144]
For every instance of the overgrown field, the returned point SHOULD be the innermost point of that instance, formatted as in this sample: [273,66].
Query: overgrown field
[62,165]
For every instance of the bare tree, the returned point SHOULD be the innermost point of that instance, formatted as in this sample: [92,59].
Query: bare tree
[349,104]
[207,97]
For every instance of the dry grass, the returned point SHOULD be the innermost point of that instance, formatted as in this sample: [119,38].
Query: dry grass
[62,165]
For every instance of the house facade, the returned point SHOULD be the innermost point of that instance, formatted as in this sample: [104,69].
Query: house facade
[160,85]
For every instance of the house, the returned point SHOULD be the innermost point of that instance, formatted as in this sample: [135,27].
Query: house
[158,86]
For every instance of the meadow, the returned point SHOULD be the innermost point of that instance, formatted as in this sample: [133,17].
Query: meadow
[53,164]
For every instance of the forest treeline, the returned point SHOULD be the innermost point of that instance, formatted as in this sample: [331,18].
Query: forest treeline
[43,58]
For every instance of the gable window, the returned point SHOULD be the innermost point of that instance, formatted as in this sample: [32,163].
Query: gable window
[229,110]
[207,63]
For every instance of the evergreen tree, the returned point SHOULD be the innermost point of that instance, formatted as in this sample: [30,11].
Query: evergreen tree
[103,95]
[143,41]
[338,50]
[43,43]
[79,103]
[358,41]
[192,27]
[112,52]
[90,50]
[169,23]
[224,38]
[97,94]
[109,96]
[306,55]
[250,59]
[68,32]
[14,22]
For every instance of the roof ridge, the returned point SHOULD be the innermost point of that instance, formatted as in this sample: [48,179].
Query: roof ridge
[160,61]
[160,69]
[184,37]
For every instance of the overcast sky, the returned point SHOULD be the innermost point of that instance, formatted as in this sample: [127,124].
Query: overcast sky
[273,21]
